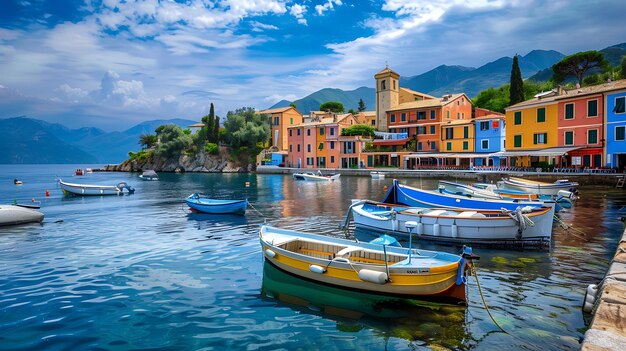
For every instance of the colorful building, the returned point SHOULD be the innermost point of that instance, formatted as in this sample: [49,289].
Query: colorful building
[490,129]
[281,119]
[615,127]
[315,144]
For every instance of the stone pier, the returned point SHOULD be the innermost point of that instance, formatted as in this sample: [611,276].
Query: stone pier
[608,326]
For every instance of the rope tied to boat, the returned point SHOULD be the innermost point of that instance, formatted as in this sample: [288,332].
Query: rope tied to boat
[480,291]
[257,211]
[570,228]
[520,218]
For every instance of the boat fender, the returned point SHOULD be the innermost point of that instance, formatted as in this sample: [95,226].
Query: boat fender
[419,229]
[565,193]
[460,274]
[371,276]
[317,269]
[436,229]
[455,230]
[341,260]
[270,253]
[590,298]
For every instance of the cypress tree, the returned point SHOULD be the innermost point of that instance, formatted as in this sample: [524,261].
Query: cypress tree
[216,130]
[516,92]
[210,125]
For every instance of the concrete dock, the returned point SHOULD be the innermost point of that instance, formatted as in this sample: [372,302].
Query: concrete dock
[608,326]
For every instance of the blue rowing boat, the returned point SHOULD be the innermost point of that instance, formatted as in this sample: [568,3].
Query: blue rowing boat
[408,196]
[201,203]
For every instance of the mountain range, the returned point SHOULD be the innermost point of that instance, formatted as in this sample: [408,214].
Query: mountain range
[536,66]
[27,140]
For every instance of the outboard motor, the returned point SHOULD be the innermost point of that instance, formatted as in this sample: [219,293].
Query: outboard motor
[123,185]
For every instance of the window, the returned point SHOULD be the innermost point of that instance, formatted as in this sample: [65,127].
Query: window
[403,117]
[448,146]
[540,138]
[321,147]
[458,115]
[448,114]
[620,133]
[393,118]
[432,129]
[484,144]
[291,120]
[484,125]
[332,159]
[332,145]
[373,122]
[569,111]
[465,132]
[322,131]
[394,83]
[620,105]
[592,108]
[421,115]
[517,141]
[541,114]
[518,118]
[332,131]
[419,146]
[308,132]
[382,85]
[290,148]
[298,147]
[465,145]
[449,133]
[298,131]
[569,138]
[308,147]
[432,114]
[592,136]
[290,132]
[433,145]
[421,130]
[275,121]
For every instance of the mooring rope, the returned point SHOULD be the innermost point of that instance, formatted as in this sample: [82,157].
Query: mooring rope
[258,212]
[480,291]
[570,226]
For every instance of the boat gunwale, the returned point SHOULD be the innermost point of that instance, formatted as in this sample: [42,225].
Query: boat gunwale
[536,212]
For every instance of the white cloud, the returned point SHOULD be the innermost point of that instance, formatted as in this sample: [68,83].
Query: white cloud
[330,5]
[298,11]
[260,27]
[272,99]
[73,93]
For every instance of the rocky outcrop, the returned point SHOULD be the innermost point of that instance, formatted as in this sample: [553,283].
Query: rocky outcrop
[200,162]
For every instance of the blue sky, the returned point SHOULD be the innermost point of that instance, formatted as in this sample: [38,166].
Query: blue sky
[114,63]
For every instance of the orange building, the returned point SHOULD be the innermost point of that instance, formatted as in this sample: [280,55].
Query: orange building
[281,119]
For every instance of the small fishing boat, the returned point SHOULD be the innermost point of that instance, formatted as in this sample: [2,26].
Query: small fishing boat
[377,175]
[149,175]
[12,215]
[368,267]
[202,203]
[17,182]
[88,170]
[400,194]
[522,227]
[316,177]
[89,189]
[453,188]
[562,187]
[78,172]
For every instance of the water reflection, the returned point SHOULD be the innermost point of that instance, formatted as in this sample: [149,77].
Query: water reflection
[353,311]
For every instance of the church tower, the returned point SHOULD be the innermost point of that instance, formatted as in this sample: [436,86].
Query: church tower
[387,95]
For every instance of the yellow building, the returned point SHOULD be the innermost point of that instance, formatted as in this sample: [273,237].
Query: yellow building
[281,119]
[532,125]
[458,136]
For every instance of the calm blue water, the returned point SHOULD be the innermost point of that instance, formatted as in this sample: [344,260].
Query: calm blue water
[139,272]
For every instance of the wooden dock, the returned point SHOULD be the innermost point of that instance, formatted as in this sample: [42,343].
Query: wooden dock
[608,326]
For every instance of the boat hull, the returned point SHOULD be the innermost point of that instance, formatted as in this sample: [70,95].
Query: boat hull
[415,280]
[539,188]
[90,190]
[412,197]
[315,178]
[14,215]
[213,206]
[487,229]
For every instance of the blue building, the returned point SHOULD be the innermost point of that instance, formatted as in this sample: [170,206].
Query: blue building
[490,134]
[616,128]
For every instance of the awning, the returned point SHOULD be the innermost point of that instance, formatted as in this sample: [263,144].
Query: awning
[450,155]
[553,151]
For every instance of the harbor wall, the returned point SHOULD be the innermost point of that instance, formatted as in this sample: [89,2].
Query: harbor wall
[608,326]
[462,175]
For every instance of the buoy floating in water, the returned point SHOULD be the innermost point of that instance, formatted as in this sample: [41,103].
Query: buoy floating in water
[385,187]
[17,182]
[47,192]
[247,184]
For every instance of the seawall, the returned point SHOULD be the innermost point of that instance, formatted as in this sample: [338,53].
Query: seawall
[608,326]
[609,179]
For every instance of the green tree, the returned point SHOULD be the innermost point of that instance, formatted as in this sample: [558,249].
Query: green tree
[292,105]
[351,111]
[173,141]
[516,87]
[244,128]
[332,106]
[361,107]
[493,99]
[623,68]
[578,64]
[215,137]
[359,129]
[147,140]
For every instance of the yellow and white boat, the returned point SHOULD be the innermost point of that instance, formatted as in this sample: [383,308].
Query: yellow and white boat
[368,267]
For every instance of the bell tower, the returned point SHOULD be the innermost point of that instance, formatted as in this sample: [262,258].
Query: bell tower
[387,96]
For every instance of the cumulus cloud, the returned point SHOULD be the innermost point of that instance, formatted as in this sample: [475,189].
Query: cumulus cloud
[278,97]
[298,11]
[260,27]
[330,5]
